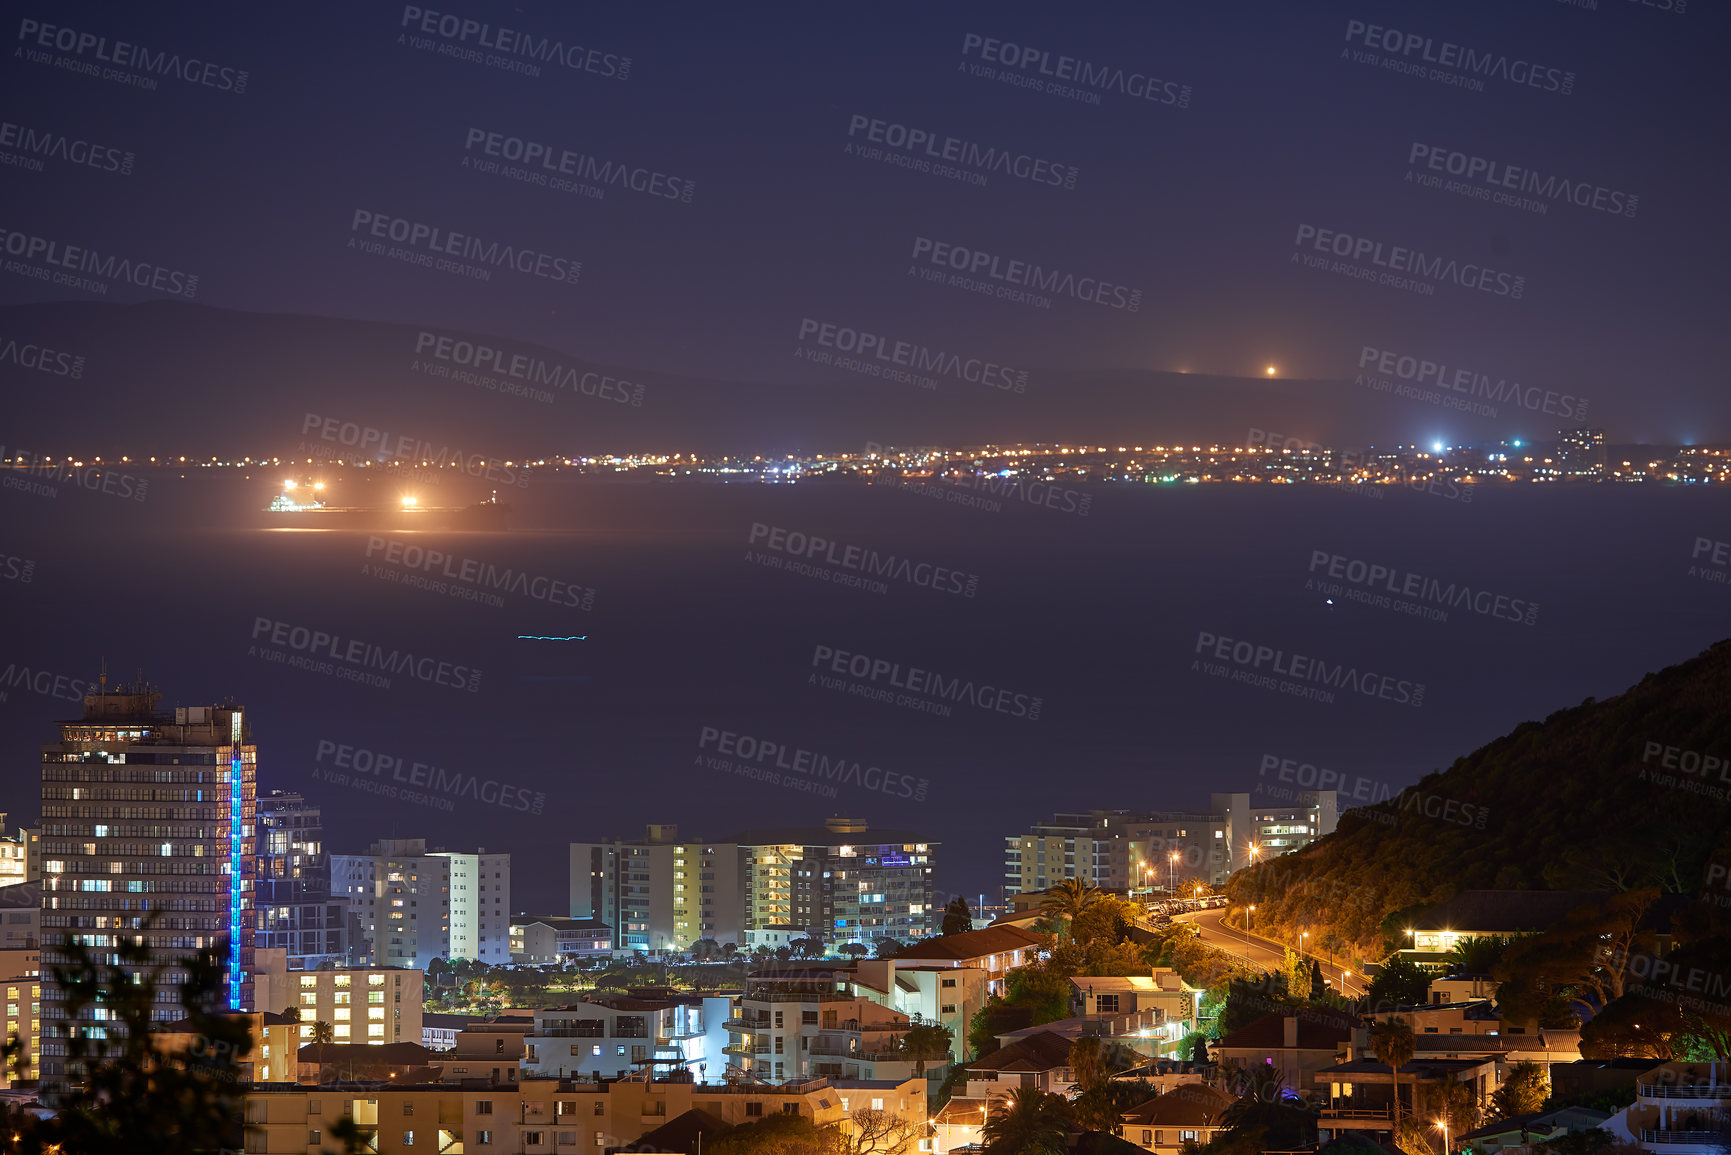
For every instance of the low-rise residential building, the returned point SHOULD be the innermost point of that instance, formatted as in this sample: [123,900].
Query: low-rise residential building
[362,1004]
[805,1021]
[615,1034]
[276,1042]
[1182,1117]
[358,1062]
[552,939]
[1288,1049]
[1164,1006]
[544,1116]
[20,916]
[1680,1108]
[20,854]
[1358,1094]
[439,1032]
[1522,1131]
[928,994]
[1040,1061]
[995,951]
[23,1009]
[1433,932]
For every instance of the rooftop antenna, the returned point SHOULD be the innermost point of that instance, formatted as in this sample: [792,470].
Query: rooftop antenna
[104,677]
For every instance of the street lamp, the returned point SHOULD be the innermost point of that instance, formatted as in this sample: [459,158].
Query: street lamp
[1172,876]
[1444,1124]
[1143,872]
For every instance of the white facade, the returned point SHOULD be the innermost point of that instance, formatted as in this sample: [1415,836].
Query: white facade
[416,905]
[622,1035]
[480,906]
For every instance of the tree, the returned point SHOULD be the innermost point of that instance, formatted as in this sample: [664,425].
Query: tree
[958,919]
[1392,1043]
[925,1042]
[705,948]
[855,949]
[1450,1099]
[1066,901]
[1105,917]
[1248,1000]
[1031,1121]
[779,1134]
[1096,1106]
[872,1132]
[323,1032]
[1199,1048]
[997,1017]
[125,1086]
[1400,983]
[809,947]
[1088,1063]
[1633,1026]
[1524,1091]
[888,948]
[1586,955]
[1476,954]
[1318,985]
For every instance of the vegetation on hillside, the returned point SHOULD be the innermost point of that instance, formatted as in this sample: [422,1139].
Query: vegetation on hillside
[1588,799]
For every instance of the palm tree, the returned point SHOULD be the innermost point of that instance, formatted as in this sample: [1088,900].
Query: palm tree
[1069,899]
[1031,1121]
[323,1032]
[1391,1040]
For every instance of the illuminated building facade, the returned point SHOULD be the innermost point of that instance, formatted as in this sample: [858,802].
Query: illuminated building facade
[414,905]
[1134,852]
[1581,452]
[296,911]
[20,854]
[660,892]
[147,817]
[849,883]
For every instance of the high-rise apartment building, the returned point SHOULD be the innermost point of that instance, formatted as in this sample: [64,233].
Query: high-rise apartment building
[414,905]
[296,910]
[480,905]
[844,881]
[1580,452]
[1166,850]
[1075,845]
[660,892]
[841,882]
[147,836]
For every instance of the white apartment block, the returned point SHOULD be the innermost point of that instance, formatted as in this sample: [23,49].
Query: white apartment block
[415,905]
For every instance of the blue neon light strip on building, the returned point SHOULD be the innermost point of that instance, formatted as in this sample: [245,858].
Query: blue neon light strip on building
[236,818]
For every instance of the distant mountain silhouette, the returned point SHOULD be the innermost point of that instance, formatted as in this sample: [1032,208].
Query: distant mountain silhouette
[174,377]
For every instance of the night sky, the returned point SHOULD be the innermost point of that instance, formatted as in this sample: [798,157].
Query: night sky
[1202,153]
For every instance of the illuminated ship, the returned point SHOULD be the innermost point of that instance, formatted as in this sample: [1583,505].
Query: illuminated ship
[287,511]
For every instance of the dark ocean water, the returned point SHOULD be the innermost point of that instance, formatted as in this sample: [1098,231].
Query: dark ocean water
[1097,616]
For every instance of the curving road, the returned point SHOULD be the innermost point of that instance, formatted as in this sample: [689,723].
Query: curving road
[1261,952]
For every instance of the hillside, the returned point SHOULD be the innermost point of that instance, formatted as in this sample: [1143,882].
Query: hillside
[1567,803]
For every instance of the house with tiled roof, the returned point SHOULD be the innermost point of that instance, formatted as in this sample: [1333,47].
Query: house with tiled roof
[1288,1048]
[1188,1114]
[1040,1061]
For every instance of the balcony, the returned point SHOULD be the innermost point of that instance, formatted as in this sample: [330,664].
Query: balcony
[741,1024]
[1693,1140]
[746,1052]
[1709,1091]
